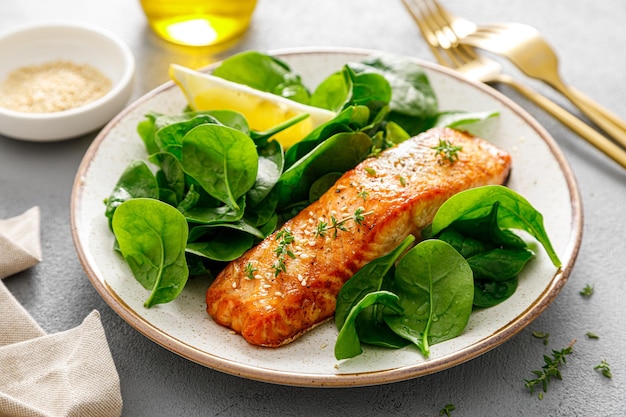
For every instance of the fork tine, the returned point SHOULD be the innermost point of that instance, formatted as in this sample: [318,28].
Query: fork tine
[424,25]
[437,27]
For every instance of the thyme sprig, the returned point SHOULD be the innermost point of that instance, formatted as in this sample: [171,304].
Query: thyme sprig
[542,335]
[323,228]
[285,238]
[447,409]
[250,270]
[605,368]
[447,151]
[550,369]
[587,291]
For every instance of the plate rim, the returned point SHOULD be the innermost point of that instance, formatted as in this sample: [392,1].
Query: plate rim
[349,379]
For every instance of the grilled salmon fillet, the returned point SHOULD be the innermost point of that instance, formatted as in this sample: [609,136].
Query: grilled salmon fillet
[289,283]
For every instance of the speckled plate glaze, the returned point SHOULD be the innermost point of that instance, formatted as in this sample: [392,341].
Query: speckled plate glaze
[540,173]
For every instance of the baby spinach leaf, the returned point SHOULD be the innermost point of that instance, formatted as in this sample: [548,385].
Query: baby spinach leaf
[459,118]
[331,93]
[198,232]
[222,160]
[366,280]
[466,246]
[487,229]
[265,73]
[368,89]
[270,168]
[413,101]
[348,344]
[499,264]
[488,293]
[152,236]
[323,184]
[339,153]
[170,137]
[263,211]
[515,212]
[136,181]
[171,172]
[436,290]
[212,215]
[228,118]
[349,120]
[146,129]
[223,244]
[412,93]
[189,201]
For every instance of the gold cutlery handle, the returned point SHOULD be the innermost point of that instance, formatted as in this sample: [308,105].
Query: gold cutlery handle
[579,127]
[602,117]
[602,112]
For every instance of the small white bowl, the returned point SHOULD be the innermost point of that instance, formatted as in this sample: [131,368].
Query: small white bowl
[80,44]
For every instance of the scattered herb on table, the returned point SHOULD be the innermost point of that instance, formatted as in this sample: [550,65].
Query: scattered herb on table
[587,291]
[447,410]
[542,335]
[550,369]
[591,335]
[604,368]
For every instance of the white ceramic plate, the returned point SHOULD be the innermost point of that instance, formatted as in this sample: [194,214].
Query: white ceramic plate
[540,173]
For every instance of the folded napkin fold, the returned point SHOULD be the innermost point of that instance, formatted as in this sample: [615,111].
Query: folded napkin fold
[70,373]
[20,245]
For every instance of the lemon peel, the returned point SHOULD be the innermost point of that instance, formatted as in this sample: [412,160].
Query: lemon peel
[261,109]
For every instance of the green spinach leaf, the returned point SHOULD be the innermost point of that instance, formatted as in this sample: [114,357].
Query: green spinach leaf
[222,160]
[515,212]
[366,280]
[339,153]
[222,244]
[348,344]
[436,289]
[152,236]
[265,73]
[136,181]
[488,293]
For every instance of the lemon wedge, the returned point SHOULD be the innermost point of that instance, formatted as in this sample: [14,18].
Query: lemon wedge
[262,110]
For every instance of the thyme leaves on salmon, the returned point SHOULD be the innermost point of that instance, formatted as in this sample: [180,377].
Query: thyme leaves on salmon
[250,270]
[285,238]
[447,151]
[336,225]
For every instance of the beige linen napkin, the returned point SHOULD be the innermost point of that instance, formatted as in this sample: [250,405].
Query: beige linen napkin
[70,373]
[20,246]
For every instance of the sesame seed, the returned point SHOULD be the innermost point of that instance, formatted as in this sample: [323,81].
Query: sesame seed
[53,86]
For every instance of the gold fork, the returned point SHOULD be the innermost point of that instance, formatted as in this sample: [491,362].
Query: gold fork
[439,28]
[524,46]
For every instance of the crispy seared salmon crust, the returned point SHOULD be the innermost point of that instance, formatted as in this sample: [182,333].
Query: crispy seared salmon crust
[395,194]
